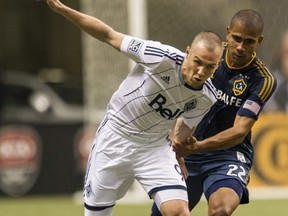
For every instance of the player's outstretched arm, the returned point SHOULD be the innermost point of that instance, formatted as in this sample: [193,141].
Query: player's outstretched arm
[89,24]
[223,140]
[229,137]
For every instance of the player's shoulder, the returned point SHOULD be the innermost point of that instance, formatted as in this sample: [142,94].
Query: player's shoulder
[264,79]
[210,90]
[262,72]
[151,50]
[164,50]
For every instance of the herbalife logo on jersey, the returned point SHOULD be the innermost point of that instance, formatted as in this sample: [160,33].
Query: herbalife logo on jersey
[135,46]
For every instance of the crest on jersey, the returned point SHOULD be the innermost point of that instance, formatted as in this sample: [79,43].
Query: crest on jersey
[239,87]
[190,105]
[135,46]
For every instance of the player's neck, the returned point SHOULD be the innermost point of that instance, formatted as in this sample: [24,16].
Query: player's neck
[231,64]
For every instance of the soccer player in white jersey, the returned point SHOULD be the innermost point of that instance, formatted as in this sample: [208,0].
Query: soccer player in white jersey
[131,142]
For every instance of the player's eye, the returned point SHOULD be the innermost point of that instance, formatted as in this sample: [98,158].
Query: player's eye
[197,62]
[237,38]
[250,41]
[212,66]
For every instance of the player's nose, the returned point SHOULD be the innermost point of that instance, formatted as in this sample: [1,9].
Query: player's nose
[240,48]
[201,71]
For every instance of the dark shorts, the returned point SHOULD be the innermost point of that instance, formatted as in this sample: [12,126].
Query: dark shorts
[209,173]
[207,176]
[234,184]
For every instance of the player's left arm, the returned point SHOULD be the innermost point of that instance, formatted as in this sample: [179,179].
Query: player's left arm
[229,137]
[223,140]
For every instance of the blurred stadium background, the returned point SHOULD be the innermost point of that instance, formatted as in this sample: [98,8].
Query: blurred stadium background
[85,72]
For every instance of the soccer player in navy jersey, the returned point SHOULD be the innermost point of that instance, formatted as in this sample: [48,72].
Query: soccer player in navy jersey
[219,155]
[131,142]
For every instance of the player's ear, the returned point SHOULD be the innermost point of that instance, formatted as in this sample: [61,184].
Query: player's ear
[260,39]
[187,51]
[227,32]
[227,29]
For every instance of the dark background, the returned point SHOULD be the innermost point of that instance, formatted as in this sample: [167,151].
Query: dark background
[32,37]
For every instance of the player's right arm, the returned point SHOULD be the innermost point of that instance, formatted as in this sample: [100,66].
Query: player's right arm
[179,136]
[89,24]
[181,132]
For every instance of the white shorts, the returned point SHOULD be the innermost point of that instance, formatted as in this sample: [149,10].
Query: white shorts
[115,162]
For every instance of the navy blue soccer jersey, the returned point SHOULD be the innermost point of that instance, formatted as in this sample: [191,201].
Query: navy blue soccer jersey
[240,91]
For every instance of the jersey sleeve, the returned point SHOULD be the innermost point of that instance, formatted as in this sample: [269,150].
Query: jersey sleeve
[260,93]
[146,51]
[192,121]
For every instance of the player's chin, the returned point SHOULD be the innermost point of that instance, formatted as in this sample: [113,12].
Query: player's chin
[197,83]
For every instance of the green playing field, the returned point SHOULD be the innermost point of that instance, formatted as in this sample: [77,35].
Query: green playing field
[66,206]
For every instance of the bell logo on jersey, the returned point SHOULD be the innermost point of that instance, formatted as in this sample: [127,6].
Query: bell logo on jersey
[134,46]
[239,87]
[157,105]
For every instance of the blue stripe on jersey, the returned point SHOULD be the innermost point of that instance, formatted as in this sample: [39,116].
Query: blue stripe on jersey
[179,59]
[154,54]
[155,51]
[150,48]
[103,123]
[211,87]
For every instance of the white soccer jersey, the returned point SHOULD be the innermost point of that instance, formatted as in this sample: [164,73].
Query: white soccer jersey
[154,95]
